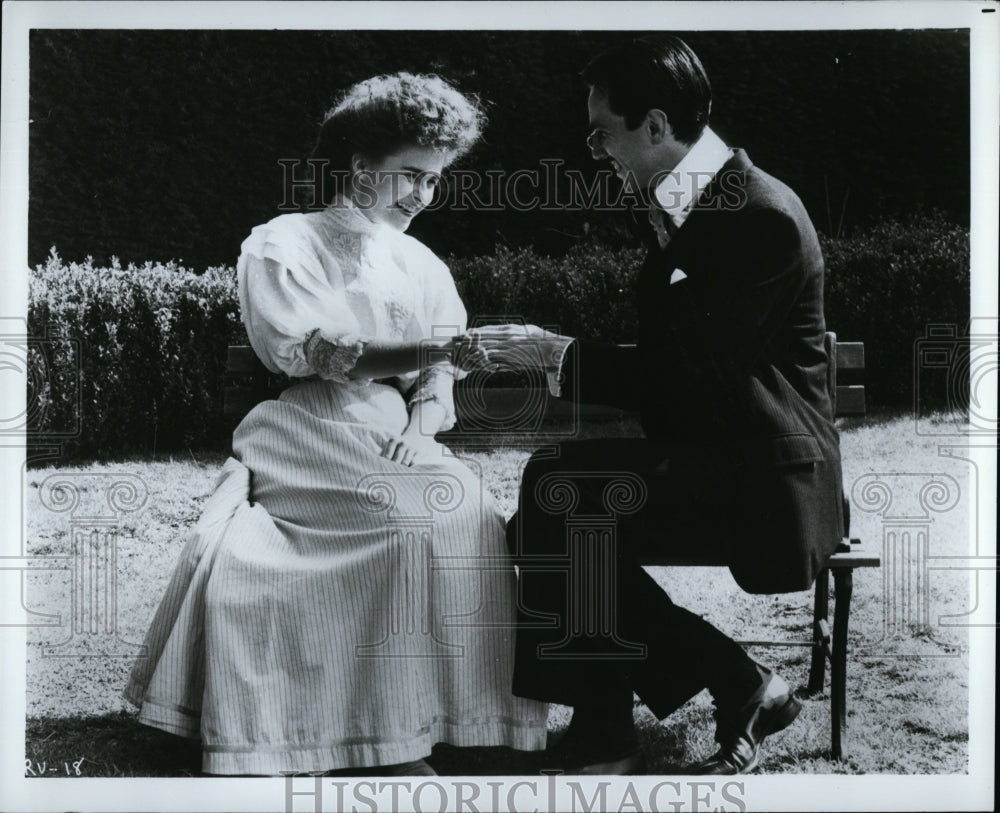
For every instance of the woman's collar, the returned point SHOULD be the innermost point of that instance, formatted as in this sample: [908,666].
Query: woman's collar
[353,217]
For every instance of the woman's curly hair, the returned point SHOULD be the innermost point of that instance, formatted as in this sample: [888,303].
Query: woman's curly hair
[386,113]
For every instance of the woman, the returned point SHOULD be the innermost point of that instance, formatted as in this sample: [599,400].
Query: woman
[345,601]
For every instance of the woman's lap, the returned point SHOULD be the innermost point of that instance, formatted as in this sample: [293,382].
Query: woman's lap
[356,608]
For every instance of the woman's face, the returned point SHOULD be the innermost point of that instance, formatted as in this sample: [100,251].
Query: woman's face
[395,188]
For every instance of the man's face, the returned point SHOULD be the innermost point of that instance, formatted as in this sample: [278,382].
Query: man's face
[629,151]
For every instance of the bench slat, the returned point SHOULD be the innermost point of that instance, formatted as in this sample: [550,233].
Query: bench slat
[854,559]
[850,559]
[240,400]
[850,356]
[496,403]
[850,400]
[241,360]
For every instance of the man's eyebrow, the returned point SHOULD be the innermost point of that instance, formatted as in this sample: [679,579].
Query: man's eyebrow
[418,170]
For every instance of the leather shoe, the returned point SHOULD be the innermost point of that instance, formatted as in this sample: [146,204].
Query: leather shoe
[577,755]
[740,732]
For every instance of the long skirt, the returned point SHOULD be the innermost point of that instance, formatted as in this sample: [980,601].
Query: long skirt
[333,609]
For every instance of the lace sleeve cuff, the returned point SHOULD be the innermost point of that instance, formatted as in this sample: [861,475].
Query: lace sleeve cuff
[333,357]
[435,384]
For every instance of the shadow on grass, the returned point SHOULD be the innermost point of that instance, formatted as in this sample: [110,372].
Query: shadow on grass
[117,745]
[110,745]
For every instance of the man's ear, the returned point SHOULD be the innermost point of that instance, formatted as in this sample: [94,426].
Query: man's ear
[358,162]
[657,126]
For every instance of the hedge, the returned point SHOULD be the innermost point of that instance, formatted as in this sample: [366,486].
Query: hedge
[886,286]
[144,353]
[586,292]
[144,346]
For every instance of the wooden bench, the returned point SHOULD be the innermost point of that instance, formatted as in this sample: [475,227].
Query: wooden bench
[248,382]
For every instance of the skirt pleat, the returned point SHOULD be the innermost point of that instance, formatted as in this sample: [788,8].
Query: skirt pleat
[333,609]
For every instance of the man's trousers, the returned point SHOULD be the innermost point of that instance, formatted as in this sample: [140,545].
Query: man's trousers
[591,622]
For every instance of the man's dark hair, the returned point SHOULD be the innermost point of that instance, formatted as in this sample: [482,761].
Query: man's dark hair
[654,72]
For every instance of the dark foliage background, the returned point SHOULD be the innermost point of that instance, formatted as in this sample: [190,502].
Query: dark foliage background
[160,145]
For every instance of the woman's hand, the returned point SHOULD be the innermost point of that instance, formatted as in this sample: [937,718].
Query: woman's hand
[400,450]
[469,353]
[414,445]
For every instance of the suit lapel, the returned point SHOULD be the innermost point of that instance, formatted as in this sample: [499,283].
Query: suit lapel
[683,249]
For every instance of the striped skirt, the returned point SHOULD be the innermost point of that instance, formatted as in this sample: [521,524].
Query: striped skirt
[333,609]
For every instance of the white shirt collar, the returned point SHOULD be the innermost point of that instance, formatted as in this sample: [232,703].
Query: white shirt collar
[682,186]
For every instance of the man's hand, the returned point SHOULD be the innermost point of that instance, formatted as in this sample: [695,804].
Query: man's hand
[512,332]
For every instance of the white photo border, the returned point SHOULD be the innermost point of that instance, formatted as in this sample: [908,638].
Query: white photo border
[786,792]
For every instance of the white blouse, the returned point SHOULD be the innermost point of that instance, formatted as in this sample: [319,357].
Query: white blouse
[315,288]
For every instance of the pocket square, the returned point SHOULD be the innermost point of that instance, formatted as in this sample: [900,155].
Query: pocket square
[677,276]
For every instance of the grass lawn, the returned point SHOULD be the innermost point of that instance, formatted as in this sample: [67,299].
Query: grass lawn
[908,701]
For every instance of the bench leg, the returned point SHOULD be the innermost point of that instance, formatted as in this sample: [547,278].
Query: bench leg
[817,668]
[843,585]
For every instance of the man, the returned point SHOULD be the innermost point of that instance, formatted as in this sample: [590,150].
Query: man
[740,455]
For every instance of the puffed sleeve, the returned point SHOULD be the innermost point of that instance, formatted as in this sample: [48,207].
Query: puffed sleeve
[444,316]
[295,309]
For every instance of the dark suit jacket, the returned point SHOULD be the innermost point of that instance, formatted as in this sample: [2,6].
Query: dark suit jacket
[732,357]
